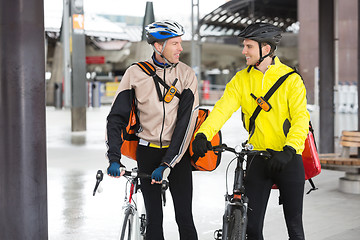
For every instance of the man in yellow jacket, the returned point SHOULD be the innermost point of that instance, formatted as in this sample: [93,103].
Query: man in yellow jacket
[281,129]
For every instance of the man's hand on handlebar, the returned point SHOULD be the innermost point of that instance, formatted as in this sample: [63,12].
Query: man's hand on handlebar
[116,169]
[160,174]
[201,145]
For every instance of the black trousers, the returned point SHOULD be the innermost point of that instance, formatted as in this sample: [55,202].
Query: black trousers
[180,185]
[258,184]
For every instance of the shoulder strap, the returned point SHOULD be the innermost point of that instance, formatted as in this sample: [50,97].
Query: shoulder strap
[277,85]
[150,70]
[267,97]
[147,67]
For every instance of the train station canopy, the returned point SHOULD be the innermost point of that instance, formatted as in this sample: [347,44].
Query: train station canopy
[233,16]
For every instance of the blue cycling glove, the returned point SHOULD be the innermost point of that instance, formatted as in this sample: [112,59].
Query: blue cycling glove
[160,173]
[114,169]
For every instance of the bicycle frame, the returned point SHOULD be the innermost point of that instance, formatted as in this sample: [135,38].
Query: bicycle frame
[236,204]
[237,200]
[134,217]
[133,211]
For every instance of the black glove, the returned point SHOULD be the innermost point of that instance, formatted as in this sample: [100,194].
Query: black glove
[279,159]
[200,145]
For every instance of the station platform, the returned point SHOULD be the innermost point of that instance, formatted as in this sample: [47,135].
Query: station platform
[75,214]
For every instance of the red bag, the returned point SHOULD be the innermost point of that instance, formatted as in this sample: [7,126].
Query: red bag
[310,156]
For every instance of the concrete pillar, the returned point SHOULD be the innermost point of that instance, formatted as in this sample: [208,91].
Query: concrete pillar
[78,79]
[57,74]
[23,177]
[327,75]
[358,68]
[308,47]
[149,17]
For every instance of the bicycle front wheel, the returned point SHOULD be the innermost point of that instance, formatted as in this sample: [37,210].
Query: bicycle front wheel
[239,222]
[126,229]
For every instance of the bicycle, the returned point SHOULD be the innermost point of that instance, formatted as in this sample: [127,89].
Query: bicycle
[134,216]
[236,204]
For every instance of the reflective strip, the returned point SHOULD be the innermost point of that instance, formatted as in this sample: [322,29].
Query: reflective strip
[149,144]
[173,160]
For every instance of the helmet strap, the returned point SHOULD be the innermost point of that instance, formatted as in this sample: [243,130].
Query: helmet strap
[161,54]
[262,57]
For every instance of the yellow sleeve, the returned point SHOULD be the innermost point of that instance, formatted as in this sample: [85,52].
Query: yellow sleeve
[299,114]
[223,109]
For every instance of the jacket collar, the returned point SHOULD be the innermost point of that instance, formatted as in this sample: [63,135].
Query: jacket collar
[275,62]
[159,64]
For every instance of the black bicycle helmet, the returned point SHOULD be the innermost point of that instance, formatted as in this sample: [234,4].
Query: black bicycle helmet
[161,31]
[262,32]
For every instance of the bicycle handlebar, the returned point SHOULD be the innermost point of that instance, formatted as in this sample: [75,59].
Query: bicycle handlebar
[246,149]
[223,147]
[164,182]
[133,174]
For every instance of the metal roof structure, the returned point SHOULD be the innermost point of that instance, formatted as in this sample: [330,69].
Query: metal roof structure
[233,16]
[99,27]
[100,31]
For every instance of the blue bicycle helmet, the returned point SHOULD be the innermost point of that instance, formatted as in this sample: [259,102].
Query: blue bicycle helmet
[161,31]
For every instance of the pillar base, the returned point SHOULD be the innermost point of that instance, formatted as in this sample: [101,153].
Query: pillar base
[350,183]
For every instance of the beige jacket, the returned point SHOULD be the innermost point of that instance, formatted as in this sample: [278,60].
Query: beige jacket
[161,123]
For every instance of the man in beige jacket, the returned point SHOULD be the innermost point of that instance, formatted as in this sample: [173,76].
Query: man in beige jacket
[165,131]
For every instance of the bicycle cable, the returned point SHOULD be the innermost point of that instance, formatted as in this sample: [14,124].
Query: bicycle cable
[226,175]
[228,166]
[128,181]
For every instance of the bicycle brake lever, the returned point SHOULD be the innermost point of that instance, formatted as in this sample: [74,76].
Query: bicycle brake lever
[164,187]
[99,178]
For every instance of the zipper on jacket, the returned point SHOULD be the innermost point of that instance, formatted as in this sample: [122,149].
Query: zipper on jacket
[163,122]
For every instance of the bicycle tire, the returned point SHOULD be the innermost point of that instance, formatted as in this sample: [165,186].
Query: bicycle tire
[127,225]
[238,229]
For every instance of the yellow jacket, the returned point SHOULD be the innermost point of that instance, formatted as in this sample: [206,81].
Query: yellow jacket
[287,123]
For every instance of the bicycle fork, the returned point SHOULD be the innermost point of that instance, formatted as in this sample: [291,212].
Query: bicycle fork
[235,204]
[229,220]
[240,198]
